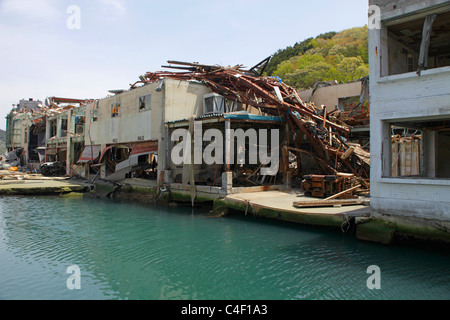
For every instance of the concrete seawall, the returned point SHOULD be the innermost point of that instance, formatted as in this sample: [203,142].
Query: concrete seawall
[278,204]
[41,186]
[271,204]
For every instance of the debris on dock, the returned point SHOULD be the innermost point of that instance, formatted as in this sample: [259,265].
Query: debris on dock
[341,185]
[311,131]
[313,141]
[330,203]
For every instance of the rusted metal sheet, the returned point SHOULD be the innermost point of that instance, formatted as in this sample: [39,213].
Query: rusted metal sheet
[144,147]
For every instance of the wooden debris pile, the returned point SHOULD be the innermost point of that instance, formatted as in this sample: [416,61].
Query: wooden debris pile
[271,96]
[331,186]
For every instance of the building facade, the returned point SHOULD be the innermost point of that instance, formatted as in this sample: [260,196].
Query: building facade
[128,129]
[409,52]
[129,133]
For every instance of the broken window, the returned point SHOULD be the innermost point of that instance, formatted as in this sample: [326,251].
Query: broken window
[418,44]
[406,153]
[418,149]
[215,103]
[63,127]
[115,110]
[209,105]
[52,131]
[145,102]
[79,124]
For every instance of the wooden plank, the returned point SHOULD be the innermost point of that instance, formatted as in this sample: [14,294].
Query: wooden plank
[337,195]
[348,153]
[329,203]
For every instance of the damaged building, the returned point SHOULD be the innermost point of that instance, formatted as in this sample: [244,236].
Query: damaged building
[47,133]
[310,142]
[345,102]
[129,134]
[410,113]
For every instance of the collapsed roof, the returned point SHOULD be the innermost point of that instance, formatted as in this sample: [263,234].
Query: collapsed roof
[329,139]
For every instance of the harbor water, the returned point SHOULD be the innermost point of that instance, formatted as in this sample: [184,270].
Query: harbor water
[131,251]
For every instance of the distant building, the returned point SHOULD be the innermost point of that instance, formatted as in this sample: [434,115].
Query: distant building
[30,104]
[410,111]
[15,131]
[350,100]
[128,133]
[32,126]
[333,95]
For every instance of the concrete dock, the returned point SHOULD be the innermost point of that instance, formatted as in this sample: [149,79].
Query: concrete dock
[278,204]
[14,185]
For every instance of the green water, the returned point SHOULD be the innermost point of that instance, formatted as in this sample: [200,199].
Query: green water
[127,251]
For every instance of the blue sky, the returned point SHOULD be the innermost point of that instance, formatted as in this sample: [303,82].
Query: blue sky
[119,40]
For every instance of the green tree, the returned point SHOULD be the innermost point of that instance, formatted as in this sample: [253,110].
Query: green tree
[351,69]
[286,54]
[339,56]
[307,76]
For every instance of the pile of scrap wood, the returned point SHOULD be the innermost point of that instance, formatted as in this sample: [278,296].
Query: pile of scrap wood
[342,185]
[353,118]
[273,97]
[338,190]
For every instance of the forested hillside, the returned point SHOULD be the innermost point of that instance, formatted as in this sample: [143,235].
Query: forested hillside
[331,56]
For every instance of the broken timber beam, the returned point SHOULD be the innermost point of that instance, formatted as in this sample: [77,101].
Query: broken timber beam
[322,162]
[329,203]
[337,195]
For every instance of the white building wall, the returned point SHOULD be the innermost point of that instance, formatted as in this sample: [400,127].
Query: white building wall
[183,99]
[405,97]
[329,96]
[176,100]
[131,125]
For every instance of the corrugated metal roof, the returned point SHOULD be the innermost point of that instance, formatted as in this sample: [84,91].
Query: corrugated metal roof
[234,115]
[206,116]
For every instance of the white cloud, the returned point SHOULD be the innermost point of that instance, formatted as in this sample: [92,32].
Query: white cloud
[31,9]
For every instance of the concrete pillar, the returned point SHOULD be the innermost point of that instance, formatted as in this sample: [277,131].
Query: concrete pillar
[162,158]
[47,129]
[58,127]
[167,177]
[429,152]
[103,166]
[70,147]
[227,145]
[227,182]
[382,148]
[287,179]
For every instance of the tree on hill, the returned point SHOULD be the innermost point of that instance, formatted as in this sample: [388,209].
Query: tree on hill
[289,52]
[339,56]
